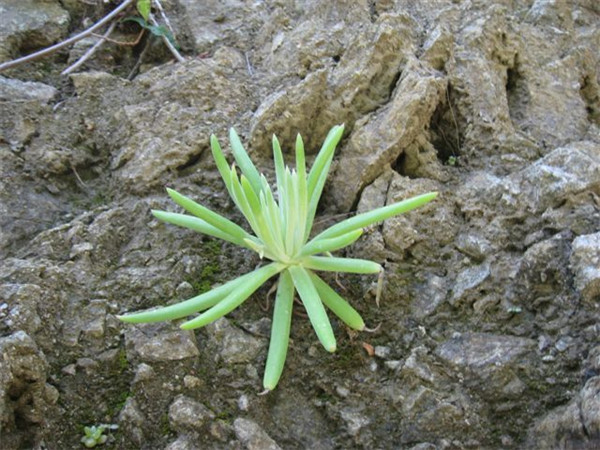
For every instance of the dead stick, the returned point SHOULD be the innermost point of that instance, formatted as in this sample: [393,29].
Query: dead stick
[90,51]
[164,16]
[167,41]
[77,37]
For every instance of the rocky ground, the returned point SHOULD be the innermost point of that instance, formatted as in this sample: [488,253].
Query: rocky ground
[488,330]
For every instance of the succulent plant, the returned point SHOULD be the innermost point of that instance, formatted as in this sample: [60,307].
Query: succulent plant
[282,234]
[94,435]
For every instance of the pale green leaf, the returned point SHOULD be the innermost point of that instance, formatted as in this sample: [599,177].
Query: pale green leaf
[197,224]
[333,264]
[280,331]
[314,307]
[337,304]
[329,245]
[207,215]
[235,298]
[244,162]
[376,215]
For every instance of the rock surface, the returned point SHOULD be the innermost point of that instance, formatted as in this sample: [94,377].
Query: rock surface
[487,330]
[252,436]
[30,25]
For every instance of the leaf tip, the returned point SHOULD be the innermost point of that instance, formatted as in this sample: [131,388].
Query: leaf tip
[172,192]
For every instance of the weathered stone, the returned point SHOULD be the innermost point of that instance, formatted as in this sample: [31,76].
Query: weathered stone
[489,363]
[479,351]
[233,345]
[563,427]
[288,111]
[381,140]
[22,313]
[28,24]
[427,412]
[428,296]
[25,398]
[154,343]
[144,372]
[590,407]
[16,90]
[495,104]
[404,233]
[476,247]
[564,172]
[132,420]
[585,262]
[417,366]
[355,420]
[186,414]
[184,442]
[467,281]
[438,47]
[252,436]
[320,35]
[215,22]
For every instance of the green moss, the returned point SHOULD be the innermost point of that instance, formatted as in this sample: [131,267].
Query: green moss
[165,426]
[208,275]
[123,362]
[118,403]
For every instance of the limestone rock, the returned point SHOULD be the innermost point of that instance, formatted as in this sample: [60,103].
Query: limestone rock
[490,362]
[154,343]
[186,414]
[16,90]
[233,346]
[28,24]
[25,398]
[252,436]
[585,262]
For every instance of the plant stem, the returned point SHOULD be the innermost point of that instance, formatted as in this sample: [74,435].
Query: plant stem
[173,50]
[90,51]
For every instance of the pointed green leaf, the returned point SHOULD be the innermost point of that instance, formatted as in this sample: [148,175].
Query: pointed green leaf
[329,245]
[143,7]
[279,168]
[221,162]
[241,201]
[376,215]
[280,331]
[318,176]
[207,215]
[337,304]
[244,162]
[197,224]
[324,155]
[187,307]
[235,298]
[314,307]
[300,158]
[333,264]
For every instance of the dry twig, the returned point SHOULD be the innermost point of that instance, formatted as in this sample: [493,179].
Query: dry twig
[90,51]
[166,41]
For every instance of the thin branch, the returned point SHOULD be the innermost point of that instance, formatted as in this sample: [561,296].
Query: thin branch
[164,16]
[133,43]
[138,63]
[167,42]
[77,37]
[90,51]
